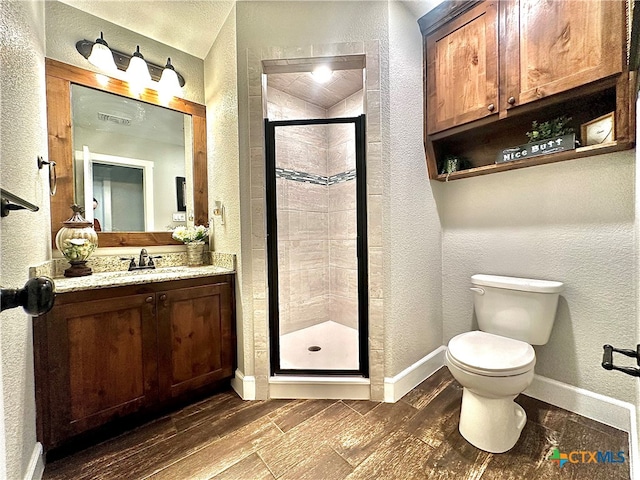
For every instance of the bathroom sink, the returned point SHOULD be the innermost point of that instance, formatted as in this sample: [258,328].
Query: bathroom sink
[136,277]
[149,271]
[161,270]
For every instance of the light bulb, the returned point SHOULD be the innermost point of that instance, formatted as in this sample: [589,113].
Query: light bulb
[322,74]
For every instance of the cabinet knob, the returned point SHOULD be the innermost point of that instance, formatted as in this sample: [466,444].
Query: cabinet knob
[511,100]
[491,107]
[163,297]
[149,300]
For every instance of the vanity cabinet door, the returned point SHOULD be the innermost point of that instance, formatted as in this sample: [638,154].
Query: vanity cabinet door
[553,47]
[101,362]
[462,69]
[195,335]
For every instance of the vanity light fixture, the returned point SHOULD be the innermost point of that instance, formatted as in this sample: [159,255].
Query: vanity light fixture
[122,62]
[101,56]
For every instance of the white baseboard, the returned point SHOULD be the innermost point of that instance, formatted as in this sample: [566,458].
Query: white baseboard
[397,387]
[35,469]
[245,386]
[603,409]
[338,388]
[592,405]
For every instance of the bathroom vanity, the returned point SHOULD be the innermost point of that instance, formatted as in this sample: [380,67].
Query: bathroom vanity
[131,343]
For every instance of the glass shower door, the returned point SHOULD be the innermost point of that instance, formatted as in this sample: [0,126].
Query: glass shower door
[316,242]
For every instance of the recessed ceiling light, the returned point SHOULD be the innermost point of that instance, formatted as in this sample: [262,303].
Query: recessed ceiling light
[322,74]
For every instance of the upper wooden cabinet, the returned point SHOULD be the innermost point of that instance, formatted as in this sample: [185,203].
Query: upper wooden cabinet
[492,67]
[462,69]
[551,47]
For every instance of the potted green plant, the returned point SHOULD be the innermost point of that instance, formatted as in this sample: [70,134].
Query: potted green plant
[550,129]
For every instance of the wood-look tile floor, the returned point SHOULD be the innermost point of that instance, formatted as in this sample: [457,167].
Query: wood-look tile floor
[224,437]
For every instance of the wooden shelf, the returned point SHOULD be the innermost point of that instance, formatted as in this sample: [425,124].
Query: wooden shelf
[579,152]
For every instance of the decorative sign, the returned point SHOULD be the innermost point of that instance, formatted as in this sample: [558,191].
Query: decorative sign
[535,149]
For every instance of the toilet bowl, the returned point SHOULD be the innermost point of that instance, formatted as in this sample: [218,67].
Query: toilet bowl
[493,370]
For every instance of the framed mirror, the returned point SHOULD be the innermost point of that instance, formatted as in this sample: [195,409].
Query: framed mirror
[88,146]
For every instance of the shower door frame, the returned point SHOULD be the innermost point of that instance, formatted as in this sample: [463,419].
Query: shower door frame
[361,246]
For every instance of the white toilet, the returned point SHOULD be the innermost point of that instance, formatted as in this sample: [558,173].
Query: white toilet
[495,365]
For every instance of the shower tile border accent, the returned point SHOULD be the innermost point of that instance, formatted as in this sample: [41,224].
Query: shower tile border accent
[304,177]
[255,359]
[341,177]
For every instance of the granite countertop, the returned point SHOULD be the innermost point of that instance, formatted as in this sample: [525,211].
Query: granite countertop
[117,279]
[108,271]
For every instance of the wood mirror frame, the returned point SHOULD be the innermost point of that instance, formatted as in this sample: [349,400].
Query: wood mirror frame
[59,77]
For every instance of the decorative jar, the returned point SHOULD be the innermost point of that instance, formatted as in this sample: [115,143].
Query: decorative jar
[77,240]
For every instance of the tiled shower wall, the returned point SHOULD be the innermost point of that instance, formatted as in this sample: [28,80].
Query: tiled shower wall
[302,215]
[317,263]
[343,261]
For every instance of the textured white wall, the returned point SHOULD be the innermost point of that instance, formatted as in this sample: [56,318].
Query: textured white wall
[221,94]
[571,221]
[66,25]
[413,314]
[24,235]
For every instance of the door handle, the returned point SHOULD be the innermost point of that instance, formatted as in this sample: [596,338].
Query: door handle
[36,298]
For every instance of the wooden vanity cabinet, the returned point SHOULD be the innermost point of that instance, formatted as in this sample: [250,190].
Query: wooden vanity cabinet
[104,355]
[100,361]
[194,334]
[493,67]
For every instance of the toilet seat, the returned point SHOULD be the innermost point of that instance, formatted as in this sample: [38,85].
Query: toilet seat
[491,355]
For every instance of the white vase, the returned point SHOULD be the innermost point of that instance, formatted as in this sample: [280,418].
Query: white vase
[195,252]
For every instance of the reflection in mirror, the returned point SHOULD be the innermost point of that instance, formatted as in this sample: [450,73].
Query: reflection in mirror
[128,155]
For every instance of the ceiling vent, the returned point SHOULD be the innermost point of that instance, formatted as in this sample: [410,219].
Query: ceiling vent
[106,117]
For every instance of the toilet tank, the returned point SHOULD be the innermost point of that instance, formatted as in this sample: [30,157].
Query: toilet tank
[519,308]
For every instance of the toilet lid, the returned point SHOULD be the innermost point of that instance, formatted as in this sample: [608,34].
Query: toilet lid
[491,355]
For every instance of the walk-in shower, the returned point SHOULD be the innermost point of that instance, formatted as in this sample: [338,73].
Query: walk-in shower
[316,225]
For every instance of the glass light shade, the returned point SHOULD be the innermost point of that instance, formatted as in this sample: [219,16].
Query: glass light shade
[138,72]
[77,240]
[102,58]
[169,84]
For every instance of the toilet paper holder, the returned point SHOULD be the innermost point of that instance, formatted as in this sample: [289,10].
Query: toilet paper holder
[607,359]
